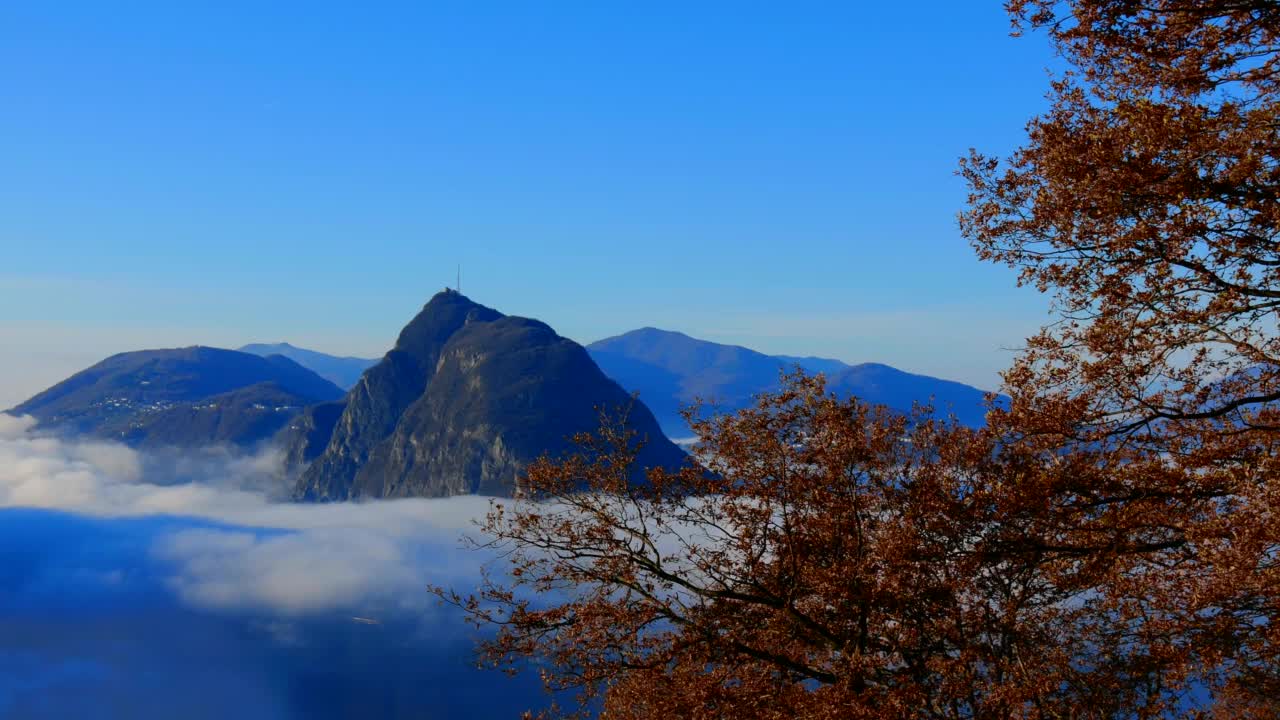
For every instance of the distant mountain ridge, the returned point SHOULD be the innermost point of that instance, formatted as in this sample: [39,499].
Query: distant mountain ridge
[462,403]
[184,397]
[466,399]
[815,364]
[341,371]
[669,370]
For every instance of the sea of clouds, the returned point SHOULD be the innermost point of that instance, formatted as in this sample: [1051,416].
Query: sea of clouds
[171,584]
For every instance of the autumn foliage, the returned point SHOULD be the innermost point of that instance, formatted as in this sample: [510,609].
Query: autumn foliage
[1108,546]
[1146,201]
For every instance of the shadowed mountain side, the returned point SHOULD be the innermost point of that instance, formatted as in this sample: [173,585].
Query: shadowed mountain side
[670,370]
[341,371]
[240,417]
[308,433]
[661,390]
[185,397]
[466,400]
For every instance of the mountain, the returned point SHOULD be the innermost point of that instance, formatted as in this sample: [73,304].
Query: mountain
[308,433]
[341,371]
[466,399]
[670,369]
[884,385]
[814,364]
[183,397]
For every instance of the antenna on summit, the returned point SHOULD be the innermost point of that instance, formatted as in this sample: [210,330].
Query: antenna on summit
[458,286]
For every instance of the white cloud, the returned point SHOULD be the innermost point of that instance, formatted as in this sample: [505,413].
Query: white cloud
[13,428]
[294,573]
[239,548]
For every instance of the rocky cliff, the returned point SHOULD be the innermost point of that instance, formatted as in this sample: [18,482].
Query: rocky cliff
[466,399]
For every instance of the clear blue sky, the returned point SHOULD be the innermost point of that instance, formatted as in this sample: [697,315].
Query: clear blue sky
[779,175]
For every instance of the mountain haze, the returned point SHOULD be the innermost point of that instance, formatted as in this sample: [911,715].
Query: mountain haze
[341,371]
[670,370]
[184,397]
[466,399]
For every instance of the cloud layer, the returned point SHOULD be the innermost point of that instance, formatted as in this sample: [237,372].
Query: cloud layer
[175,585]
[238,548]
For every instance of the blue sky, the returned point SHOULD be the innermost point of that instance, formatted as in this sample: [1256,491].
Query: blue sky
[779,175]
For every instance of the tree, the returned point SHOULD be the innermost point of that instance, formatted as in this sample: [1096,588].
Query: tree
[830,560]
[1108,546]
[1147,201]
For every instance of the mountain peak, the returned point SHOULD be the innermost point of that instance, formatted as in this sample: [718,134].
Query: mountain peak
[449,295]
[463,403]
[443,315]
[646,333]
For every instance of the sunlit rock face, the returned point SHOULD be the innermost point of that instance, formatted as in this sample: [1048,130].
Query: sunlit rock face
[466,399]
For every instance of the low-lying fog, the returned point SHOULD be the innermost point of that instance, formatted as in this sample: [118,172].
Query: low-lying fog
[179,586]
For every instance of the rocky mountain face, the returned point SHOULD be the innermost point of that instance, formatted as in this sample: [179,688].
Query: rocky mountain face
[341,371]
[184,397]
[669,370]
[308,433]
[466,399]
